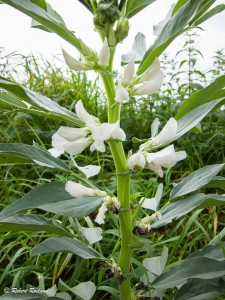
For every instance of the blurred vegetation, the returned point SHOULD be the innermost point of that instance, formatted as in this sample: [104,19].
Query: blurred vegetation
[205,145]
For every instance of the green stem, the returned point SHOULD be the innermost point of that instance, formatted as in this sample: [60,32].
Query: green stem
[123,184]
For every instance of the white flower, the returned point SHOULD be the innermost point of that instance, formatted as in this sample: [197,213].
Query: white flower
[159,27]
[128,72]
[117,133]
[121,93]
[100,219]
[98,145]
[73,63]
[167,134]
[89,170]
[100,133]
[78,190]
[152,80]
[166,158]
[138,49]
[104,54]
[83,114]
[136,160]
[153,203]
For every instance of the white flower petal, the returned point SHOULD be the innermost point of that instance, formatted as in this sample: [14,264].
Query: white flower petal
[154,127]
[72,134]
[117,133]
[73,63]
[101,132]
[157,169]
[121,93]
[136,160]
[89,170]
[78,190]
[104,54]
[77,146]
[152,71]
[83,114]
[58,141]
[128,72]
[100,219]
[98,145]
[55,152]
[151,86]
[167,134]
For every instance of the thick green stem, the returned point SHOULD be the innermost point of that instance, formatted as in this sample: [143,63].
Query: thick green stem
[123,185]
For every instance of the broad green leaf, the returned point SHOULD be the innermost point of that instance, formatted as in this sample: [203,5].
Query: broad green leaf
[201,288]
[134,6]
[193,117]
[31,222]
[42,16]
[174,27]
[217,182]
[196,180]
[65,244]
[203,7]
[26,153]
[182,207]
[209,14]
[52,13]
[8,101]
[178,5]
[53,197]
[37,100]
[110,290]
[84,290]
[92,235]
[202,97]
[196,267]
[214,251]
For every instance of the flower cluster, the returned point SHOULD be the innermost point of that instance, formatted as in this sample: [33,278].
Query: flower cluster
[165,158]
[78,190]
[94,134]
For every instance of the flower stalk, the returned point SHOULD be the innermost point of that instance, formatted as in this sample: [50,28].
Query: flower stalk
[123,184]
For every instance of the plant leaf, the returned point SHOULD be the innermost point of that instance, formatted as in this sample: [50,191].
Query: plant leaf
[84,290]
[214,251]
[27,153]
[203,96]
[174,27]
[202,288]
[134,6]
[53,197]
[182,207]
[65,244]
[37,100]
[31,222]
[215,10]
[196,180]
[43,17]
[22,296]
[196,267]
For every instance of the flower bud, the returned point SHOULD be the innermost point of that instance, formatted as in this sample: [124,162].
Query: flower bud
[104,54]
[122,29]
[121,93]
[128,73]
[136,160]
[73,63]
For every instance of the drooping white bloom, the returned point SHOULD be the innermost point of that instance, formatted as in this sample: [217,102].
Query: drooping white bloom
[100,219]
[128,72]
[166,158]
[71,134]
[154,127]
[152,71]
[73,63]
[83,114]
[135,161]
[89,170]
[121,93]
[166,135]
[100,133]
[138,49]
[77,146]
[153,203]
[159,27]
[117,133]
[104,54]
[151,86]
[78,190]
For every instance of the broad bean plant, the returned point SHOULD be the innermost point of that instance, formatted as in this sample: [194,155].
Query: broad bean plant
[200,276]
